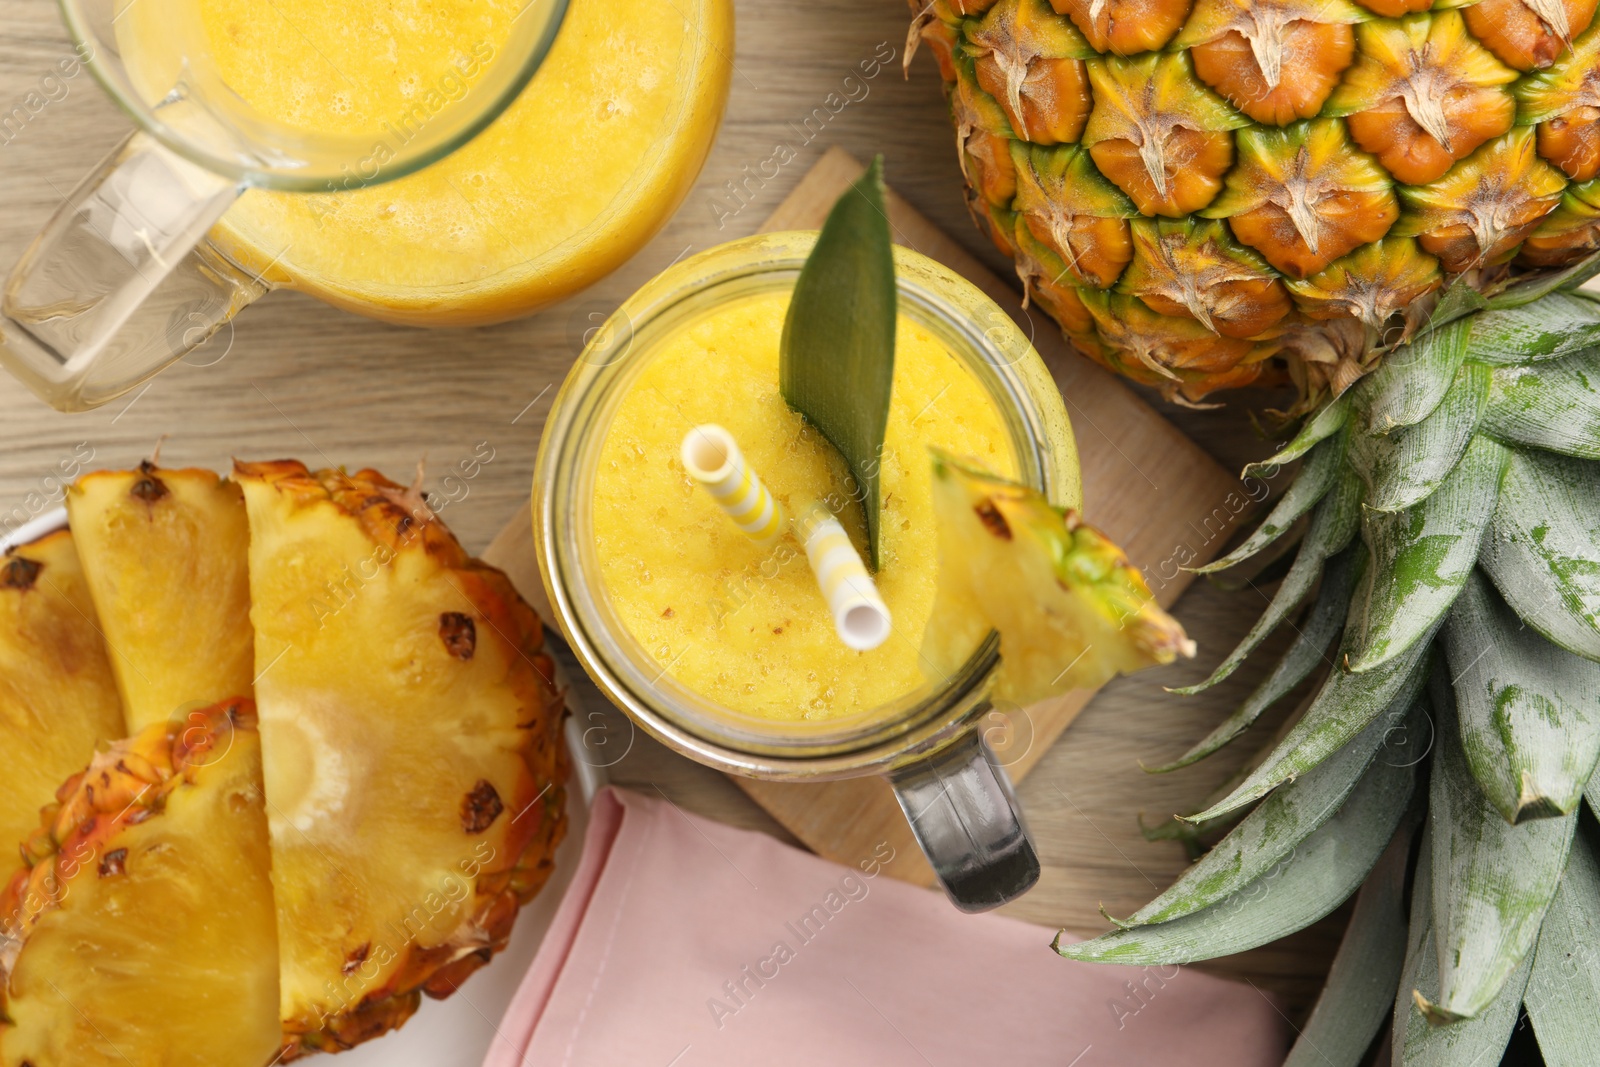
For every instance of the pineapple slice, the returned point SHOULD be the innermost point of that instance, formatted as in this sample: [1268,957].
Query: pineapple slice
[410,739]
[58,699]
[144,933]
[164,553]
[1071,610]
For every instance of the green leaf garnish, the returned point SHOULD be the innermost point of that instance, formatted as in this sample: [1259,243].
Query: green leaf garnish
[836,361]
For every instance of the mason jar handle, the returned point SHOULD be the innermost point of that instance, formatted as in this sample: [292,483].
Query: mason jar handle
[114,289]
[964,813]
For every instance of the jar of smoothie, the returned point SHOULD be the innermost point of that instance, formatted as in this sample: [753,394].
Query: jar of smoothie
[725,649]
[427,162]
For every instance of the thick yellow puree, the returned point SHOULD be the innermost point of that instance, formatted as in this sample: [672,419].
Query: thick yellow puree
[570,181]
[745,626]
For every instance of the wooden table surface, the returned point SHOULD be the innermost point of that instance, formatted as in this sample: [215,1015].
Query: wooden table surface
[293,377]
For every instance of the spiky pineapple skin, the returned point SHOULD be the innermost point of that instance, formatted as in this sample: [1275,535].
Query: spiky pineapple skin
[372,620]
[1268,188]
[161,841]
[58,699]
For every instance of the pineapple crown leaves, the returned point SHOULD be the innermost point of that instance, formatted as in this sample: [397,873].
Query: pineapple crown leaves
[836,356]
[1461,619]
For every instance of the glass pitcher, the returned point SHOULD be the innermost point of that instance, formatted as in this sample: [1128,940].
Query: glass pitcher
[87,313]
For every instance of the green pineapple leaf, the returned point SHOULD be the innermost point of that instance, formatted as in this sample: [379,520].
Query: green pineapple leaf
[1281,822]
[1529,711]
[1560,325]
[1403,467]
[1423,556]
[1313,879]
[1527,290]
[1492,883]
[1420,1042]
[1313,638]
[1458,302]
[1540,550]
[1413,379]
[1564,986]
[1332,527]
[1557,409]
[1316,477]
[1357,997]
[1344,706]
[836,358]
[1191,837]
[1421,962]
[1417,1040]
[1324,424]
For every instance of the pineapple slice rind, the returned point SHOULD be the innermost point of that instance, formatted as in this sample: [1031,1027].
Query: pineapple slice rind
[1070,609]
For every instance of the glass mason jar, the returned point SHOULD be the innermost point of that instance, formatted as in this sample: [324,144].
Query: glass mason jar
[957,798]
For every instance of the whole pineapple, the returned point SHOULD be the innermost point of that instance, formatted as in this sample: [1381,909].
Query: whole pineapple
[1205,193]
[1391,203]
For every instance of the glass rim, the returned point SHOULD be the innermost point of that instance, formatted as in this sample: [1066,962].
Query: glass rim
[682,718]
[231,167]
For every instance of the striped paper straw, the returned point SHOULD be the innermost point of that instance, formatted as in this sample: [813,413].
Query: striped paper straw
[712,458]
[859,613]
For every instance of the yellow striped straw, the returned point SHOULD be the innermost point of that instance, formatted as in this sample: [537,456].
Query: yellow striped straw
[859,613]
[712,458]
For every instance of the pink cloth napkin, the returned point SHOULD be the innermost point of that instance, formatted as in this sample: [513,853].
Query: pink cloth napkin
[688,943]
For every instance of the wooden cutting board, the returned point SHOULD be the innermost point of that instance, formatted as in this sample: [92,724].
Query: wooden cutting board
[1120,439]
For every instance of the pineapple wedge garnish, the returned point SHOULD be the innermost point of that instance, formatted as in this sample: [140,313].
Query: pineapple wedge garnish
[410,733]
[143,932]
[58,699]
[1070,609]
[164,554]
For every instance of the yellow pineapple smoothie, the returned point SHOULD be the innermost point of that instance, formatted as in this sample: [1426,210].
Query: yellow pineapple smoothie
[572,179]
[743,625]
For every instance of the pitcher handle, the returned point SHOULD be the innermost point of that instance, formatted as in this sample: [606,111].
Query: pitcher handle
[964,813]
[114,288]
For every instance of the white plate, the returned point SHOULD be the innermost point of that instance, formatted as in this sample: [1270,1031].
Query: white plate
[459,1031]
